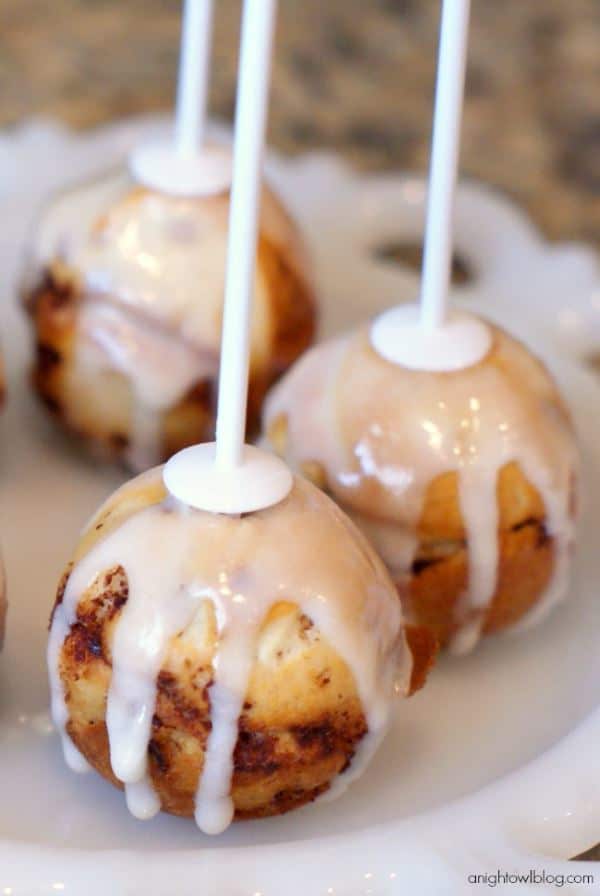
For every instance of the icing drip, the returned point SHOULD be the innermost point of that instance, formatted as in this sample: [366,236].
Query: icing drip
[382,434]
[141,798]
[561,526]
[479,508]
[176,559]
[159,365]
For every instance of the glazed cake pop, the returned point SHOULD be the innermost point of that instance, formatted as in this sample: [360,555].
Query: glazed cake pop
[125,295]
[464,480]
[215,664]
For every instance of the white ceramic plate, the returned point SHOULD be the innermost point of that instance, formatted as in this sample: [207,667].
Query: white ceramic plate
[495,765]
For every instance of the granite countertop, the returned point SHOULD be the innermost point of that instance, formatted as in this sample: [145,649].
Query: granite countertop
[354,76]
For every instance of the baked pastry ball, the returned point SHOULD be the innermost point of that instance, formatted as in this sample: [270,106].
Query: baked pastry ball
[463,481]
[124,287]
[226,666]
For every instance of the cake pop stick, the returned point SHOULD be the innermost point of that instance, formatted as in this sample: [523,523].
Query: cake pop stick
[194,65]
[229,476]
[445,150]
[243,223]
[432,338]
[185,165]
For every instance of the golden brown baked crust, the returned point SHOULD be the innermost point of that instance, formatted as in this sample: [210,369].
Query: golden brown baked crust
[97,405]
[434,588]
[439,575]
[300,726]
[301,721]
[430,592]
[441,518]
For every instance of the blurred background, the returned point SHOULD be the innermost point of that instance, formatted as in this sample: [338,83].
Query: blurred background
[353,76]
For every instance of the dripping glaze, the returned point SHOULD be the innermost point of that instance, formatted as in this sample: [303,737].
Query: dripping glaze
[382,434]
[177,559]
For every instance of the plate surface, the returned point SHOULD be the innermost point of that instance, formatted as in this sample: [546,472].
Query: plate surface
[493,766]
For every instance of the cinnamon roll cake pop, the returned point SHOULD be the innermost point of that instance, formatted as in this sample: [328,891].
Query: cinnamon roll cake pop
[124,289]
[226,666]
[464,480]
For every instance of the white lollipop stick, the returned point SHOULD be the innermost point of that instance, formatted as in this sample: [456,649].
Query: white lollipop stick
[445,148]
[184,166]
[192,88]
[433,339]
[229,476]
[251,112]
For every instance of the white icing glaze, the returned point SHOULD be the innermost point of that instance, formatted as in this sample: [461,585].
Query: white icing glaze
[176,559]
[111,339]
[151,272]
[161,255]
[141,798]
[383,433]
